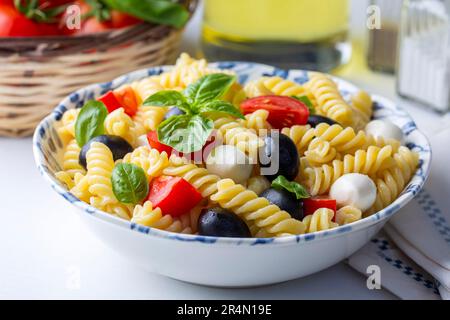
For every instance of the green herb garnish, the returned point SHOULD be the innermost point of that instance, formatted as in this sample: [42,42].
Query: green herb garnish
[165,12]
[129,183]
[189,132]
[307,102]
[89,123]
[294,187]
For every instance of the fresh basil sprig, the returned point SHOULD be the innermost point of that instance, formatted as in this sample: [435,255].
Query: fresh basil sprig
[165,12]
[307,102]
[189,132]
[296,188]
[129,183]
[89,123]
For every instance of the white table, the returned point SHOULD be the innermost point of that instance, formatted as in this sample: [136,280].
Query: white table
[45,247]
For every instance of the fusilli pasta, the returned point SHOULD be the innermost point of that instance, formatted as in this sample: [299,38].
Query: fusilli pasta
[320,220]
[348,214]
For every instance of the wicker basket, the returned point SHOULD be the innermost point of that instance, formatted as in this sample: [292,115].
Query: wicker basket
[37,73]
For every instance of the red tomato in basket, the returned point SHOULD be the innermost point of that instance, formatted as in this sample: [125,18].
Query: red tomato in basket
[310,205]
[14,24]
[283,111]
[122,20]
[173,195]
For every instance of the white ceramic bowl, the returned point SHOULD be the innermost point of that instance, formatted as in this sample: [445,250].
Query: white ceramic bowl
[228,262]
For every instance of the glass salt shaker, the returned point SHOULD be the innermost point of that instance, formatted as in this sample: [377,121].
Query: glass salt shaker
[423,67]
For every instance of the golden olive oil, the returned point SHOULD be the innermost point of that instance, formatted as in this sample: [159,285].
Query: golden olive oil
[310,34]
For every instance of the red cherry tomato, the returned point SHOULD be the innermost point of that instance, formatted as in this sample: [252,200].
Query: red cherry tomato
[14,24]
[283,111]
[127,99]
[153,141]
[122,20]
[310,205]
[110,100]
[92,25]
[173,195]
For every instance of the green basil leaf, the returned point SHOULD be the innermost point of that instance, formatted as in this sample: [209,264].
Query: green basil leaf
[220,107]
[90,122]
[167,98]
[296,188]
[185,133]
[157,11]
[208,88]
[129,183]
[307,102]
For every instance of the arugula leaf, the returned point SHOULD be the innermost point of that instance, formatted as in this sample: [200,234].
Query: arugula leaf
[296,188]
[222,107]
[208,88]
[157,11]
[129,183]
[307,102]
[185,133]
[167,98]
[89,123]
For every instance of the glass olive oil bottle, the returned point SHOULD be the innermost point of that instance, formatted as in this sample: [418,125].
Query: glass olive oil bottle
[309,34]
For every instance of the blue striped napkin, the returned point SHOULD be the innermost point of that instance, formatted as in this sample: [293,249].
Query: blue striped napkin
[413,252]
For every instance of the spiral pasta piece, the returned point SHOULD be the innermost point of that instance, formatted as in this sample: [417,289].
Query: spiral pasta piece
[234,133]
[391,182]
[320,220]
[300,135]
[70,161]
[268,219]
[150,160]
[348,214]
[148,216]
[100,164]
[200,178]
[66,130]
[80,188]
[320,179]
[257,121]
[118,123]
[119,210]
[362,102]
[329,99]
[320,152]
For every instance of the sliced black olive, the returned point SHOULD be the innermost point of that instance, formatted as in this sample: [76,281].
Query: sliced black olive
[279,157]
[285,200]
[314,120]
[221,222]
[118,146]
[174,111]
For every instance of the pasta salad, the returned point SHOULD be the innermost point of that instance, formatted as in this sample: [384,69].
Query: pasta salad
[194,151]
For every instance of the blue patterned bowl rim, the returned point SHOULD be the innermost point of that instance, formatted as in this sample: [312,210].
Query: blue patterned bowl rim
[246,71]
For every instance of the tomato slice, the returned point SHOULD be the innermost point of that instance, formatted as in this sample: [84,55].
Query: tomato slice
[127,99]
[310,205]
[173,195]
[110,100]
[283,111]
[153,141]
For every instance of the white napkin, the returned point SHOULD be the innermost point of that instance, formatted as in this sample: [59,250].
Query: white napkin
[422,231]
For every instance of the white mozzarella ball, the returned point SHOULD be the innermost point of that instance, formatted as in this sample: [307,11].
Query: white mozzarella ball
[354,189]
[385,129]
[229,162]
[142,141]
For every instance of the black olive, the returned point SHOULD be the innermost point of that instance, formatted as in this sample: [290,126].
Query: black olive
[279,157]
[221,222]
[314,120]
[118,146]
[286,200]
[174,111]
